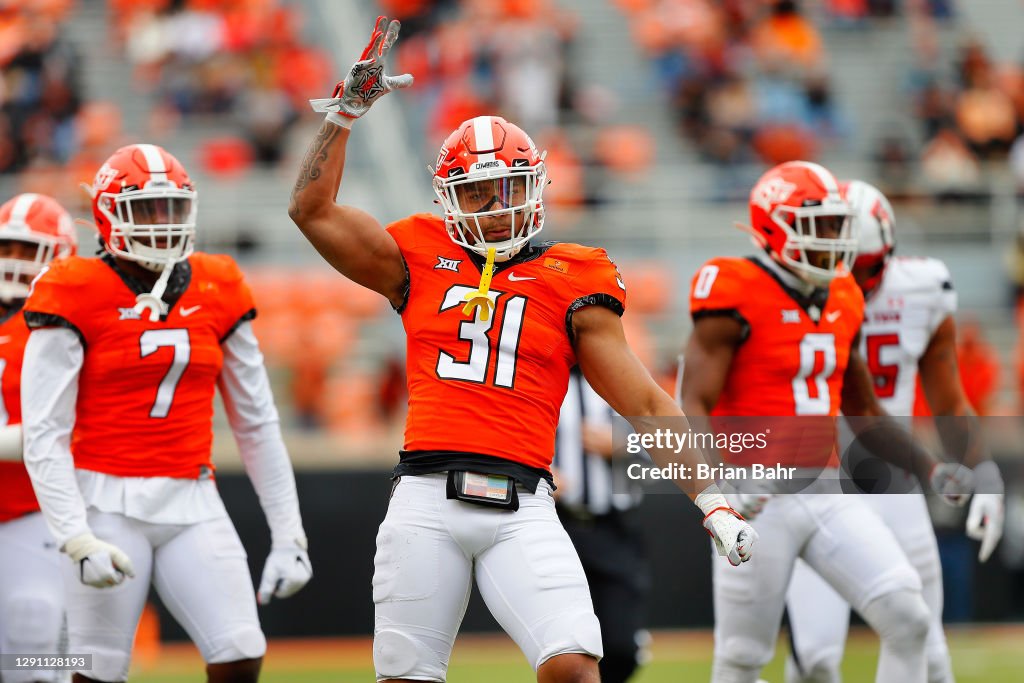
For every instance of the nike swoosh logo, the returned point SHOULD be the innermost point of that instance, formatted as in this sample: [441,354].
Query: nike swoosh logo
[515,278]
[189,311]
[833,316]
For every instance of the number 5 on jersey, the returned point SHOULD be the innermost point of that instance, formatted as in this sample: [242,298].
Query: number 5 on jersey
[149,342]
[474,368]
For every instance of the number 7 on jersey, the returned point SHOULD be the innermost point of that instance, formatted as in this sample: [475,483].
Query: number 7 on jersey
[149,342]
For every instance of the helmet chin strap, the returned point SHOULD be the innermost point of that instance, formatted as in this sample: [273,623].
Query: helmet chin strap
[154,300]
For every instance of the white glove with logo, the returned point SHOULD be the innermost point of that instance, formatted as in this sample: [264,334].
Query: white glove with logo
[734,537]
[985,516]
[100,564]
[286,571]
[953,483]
[367,80]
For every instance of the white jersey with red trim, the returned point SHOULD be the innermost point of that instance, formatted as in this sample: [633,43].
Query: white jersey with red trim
[900,317]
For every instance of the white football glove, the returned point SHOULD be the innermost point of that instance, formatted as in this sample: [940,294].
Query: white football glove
[953,483]
[986,514]
[286,571]
[733,537]
[985,522]
[100,564]
[367,81]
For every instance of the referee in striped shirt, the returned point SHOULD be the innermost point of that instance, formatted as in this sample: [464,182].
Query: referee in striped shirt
[597,504]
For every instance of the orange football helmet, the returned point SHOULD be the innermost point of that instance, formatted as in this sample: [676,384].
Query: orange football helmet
[42,224]
[144,206]
[798,214]
[490,180]
[874,224]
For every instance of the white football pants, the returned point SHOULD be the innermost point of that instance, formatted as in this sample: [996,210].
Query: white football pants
[844,542]
[199,571]
[819,617]
[429,549]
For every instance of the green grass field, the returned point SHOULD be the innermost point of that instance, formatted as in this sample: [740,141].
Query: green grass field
[980,655]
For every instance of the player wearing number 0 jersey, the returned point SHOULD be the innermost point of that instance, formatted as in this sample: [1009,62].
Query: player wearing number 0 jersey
[777,335]
[494,324]
[908,327]
[34,229]
[125,352]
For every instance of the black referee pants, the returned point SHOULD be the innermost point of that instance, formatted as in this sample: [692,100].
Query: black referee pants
[612,551]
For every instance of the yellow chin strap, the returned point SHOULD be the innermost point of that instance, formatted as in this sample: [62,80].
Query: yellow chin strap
[479,298]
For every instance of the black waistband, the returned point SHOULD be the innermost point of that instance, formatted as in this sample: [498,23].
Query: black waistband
[412,463]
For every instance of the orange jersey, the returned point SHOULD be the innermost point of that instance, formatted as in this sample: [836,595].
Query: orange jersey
[496,387]
[145,391]
[789,364]
[16,495]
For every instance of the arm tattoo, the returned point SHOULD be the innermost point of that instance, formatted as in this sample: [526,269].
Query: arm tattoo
[316,155]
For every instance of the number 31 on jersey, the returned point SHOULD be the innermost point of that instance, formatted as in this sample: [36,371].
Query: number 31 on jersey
[475,331]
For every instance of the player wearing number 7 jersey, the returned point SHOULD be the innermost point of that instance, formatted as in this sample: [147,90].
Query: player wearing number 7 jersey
[494,325]
[124,355]
[775,342]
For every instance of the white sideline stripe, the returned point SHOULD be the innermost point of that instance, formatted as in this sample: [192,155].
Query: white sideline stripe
[154,161]
[484,134]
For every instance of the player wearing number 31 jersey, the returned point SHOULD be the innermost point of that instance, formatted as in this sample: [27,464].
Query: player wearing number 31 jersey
[124,355]
[494,324]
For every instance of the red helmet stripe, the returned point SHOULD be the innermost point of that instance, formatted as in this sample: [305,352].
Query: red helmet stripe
[154,161]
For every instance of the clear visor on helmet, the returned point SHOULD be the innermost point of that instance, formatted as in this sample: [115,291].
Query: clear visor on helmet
[503,211]
[21,260]
[155,210]
[819,240]
[493,196]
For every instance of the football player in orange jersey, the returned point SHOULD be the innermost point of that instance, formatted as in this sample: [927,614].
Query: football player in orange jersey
[908,334]
[34,229]
[777,334]
[124,355]
[494,325]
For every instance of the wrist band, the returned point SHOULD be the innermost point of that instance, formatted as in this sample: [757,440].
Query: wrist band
[339,120]
[710,499]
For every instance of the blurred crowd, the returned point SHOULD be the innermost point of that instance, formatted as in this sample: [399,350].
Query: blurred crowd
[241,65]
[240,61]
[748,79]
[970,110]
[473,57]
[40,84]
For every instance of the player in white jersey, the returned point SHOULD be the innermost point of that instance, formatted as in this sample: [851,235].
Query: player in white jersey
[908,331]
